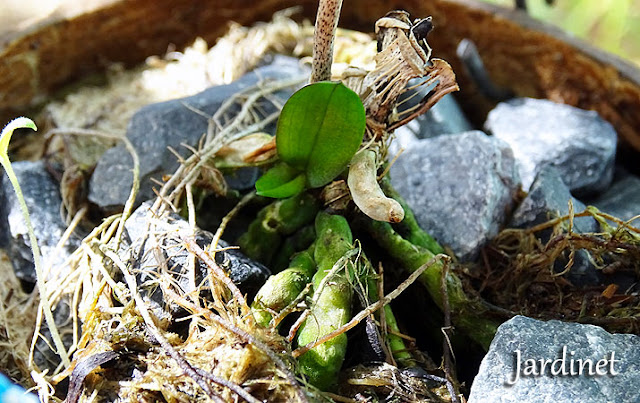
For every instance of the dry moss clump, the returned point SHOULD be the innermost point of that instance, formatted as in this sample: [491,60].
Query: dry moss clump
[121,350]
[141,362]
[524,274]
[18,312]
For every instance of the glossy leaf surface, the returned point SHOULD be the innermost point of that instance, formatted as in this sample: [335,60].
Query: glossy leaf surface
[320,129]
[281,181]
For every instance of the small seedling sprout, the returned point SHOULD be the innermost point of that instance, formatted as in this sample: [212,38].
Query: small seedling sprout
[5,137]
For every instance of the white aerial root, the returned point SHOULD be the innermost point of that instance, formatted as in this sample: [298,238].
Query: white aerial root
[366,192]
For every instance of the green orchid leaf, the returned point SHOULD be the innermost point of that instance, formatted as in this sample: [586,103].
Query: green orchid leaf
[281,181]
[320,129]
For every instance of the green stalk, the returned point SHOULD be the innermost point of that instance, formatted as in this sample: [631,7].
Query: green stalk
[277,220]
[409,227]
[283,288]
[5,137]
[467,312]
[332,303]
[396,343]
[298,242]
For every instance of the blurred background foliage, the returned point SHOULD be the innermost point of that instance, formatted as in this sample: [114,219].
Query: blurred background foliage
[612,25]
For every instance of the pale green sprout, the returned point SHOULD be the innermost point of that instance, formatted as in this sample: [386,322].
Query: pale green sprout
[5,137]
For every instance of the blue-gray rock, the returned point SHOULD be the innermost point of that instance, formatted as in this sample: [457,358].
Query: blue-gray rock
[459,186]
[242,178]
[548,198]
[619,380]
[169,233]
[42,195]
[622,199]
[445,117]
[155,128]
[580,144]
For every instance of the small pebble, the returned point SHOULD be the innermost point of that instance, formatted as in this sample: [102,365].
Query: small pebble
[445,117]
[549,198]
[42,196]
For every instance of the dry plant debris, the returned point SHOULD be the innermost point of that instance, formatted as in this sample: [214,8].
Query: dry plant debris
[520,274]
[124,352]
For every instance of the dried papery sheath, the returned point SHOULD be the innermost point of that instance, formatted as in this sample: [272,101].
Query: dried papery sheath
[366,192]
[249,150]
[389,27]
[403,55]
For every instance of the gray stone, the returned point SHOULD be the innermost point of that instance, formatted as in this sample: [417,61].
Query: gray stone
[548,198]
[155,128]
[546,340]
[622,199]
[459,186]
[580,144]
[583,272]
[169,233]
[445,117]
[242,178]
[42,195]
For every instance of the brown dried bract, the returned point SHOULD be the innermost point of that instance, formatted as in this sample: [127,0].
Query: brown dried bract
[403,55]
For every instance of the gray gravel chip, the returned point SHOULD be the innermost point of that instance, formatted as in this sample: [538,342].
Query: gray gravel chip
[459,186]
[580,144]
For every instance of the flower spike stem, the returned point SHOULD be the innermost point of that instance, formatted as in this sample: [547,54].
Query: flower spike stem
[5,137]
[325,31]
